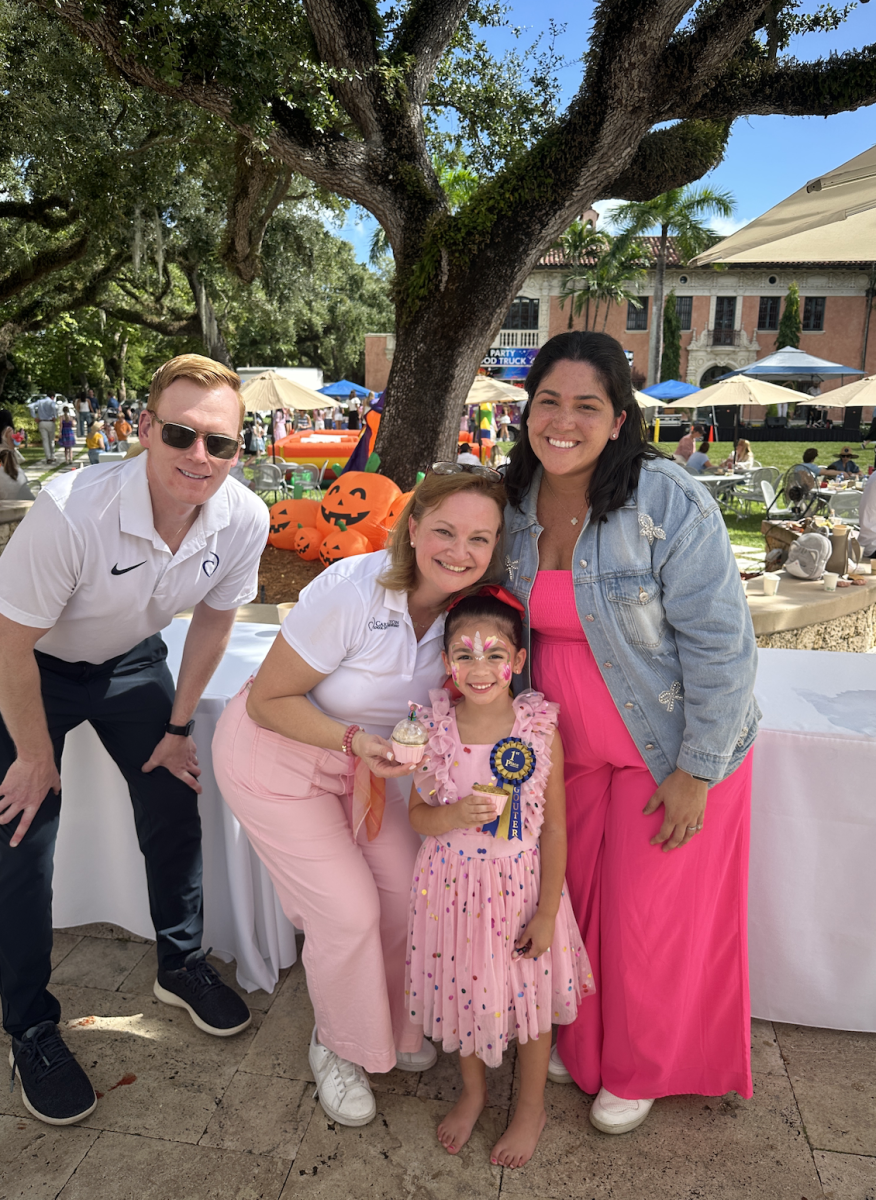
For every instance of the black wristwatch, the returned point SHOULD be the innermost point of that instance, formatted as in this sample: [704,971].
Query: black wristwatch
[180,730]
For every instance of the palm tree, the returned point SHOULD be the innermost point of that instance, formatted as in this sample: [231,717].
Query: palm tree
[608,265]
[677,213]
[580,244]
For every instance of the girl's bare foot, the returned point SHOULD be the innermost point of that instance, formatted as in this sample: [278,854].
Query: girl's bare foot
[455,1130]
[517,1144]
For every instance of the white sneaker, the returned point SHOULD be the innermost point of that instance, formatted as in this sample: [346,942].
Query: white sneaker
[342,1087]
[417,1060]
[557,1072]
[612,1114]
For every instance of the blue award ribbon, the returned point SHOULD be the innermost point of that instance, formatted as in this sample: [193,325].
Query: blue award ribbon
[513,761]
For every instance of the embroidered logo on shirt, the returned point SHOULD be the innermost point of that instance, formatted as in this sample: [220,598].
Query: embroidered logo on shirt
[672,694]
[210,563]
[647,529]
[117,570]
[375,624]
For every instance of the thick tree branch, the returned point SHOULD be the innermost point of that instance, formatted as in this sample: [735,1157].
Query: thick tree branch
[39,313]
[247,215]
[344,32]
[50,212]
[188,326]
[426,31]
[43,264]
[820,89]
[669,158]
[692,59]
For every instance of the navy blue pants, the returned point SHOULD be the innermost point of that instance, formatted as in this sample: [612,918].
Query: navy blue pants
[128,701]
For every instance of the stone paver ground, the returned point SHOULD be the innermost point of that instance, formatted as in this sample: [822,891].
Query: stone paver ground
[185,1115]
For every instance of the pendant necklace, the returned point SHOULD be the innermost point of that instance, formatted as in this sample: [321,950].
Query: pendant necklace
[573,520]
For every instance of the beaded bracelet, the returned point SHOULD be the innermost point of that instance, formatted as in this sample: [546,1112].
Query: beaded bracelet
[349,733]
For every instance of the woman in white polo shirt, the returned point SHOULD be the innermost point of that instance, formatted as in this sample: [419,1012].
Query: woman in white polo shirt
[302,756]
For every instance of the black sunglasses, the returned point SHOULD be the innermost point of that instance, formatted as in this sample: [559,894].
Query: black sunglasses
[457,468]
[181,437]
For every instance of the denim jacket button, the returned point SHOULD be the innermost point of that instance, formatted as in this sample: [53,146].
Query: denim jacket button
[629,704]
[582,562]
[606,664]
[649,746]
[532,533]
[589,617]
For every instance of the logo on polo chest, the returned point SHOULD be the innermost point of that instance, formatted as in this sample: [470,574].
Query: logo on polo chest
[117,570]
[375,624]
[210,563]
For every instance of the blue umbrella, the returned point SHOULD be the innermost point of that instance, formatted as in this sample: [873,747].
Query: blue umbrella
[789,363]
[670,389]
[343,388]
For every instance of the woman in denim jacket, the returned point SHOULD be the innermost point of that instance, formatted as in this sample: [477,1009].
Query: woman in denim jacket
[637,624]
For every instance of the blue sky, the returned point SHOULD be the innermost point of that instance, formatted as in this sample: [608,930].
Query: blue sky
[767,157]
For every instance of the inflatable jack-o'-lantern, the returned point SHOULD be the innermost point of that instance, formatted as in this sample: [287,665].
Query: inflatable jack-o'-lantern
[359,499]
[286,518]
[306,543]
[343,543]
[388,523]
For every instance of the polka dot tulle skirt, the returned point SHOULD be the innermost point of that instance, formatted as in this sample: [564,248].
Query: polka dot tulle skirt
[463,982]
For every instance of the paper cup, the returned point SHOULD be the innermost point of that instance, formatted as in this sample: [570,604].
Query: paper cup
[770,585]
[830,580]
[498,802]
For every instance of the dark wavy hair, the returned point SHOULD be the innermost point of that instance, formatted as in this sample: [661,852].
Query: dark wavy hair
[617,471]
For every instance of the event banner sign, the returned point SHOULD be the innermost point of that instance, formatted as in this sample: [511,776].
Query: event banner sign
[506,356]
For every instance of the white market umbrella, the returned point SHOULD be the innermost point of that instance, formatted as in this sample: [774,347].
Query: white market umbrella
[861,392]
[270,390]
[738,390]
[829,219]
[485,390]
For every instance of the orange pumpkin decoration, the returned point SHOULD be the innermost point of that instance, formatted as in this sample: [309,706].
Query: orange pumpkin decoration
[360,500]
[343,543]
[395,511]
[286,518]
[306,542]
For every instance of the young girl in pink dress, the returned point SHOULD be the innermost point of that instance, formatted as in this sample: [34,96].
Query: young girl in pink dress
[495,952]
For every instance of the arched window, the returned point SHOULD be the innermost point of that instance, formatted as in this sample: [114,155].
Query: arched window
[523,314]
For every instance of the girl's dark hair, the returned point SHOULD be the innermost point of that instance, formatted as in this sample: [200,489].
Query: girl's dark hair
[704,447]
[617,471]
[8,463]
[6,421]
[480,608]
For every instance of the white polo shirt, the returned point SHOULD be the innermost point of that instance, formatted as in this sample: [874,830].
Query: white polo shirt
[87,565]
[360,636]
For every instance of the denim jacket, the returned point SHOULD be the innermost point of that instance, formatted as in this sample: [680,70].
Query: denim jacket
[659,597]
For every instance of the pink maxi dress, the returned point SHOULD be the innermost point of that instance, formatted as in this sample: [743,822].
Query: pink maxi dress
[472,896]
[666,933]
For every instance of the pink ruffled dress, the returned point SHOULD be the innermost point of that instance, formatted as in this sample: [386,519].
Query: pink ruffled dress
[473,894]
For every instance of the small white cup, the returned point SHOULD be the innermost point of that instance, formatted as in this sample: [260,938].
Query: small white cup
[770,585]
[830,581]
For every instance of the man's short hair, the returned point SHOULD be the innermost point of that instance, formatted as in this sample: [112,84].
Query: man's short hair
[205,371]
[810,455]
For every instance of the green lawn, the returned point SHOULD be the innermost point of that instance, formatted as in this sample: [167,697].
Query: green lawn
[774,454]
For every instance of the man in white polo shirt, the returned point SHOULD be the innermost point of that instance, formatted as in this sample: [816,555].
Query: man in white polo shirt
[145,537]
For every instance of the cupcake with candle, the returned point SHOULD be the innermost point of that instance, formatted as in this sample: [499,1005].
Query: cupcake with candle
[409,738]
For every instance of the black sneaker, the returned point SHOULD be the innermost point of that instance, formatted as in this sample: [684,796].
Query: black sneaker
[211,1004]
[53,1085]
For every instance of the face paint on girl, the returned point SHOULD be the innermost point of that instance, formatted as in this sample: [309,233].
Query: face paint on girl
[481,665]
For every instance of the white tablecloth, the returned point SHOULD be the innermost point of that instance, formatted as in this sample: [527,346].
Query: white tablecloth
[99,872]
[812,915]
[812,924]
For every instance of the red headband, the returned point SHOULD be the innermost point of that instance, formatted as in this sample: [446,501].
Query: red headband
[497,592]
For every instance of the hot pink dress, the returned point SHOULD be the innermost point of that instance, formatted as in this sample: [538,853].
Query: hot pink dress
[472,896]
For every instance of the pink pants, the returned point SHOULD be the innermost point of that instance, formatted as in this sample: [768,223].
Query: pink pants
[666,932]
[351,897]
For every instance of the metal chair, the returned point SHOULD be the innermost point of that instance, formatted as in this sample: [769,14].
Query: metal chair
[846,505]
[749,493]
[268,477]
[769,499]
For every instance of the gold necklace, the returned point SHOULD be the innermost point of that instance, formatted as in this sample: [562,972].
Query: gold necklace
[573,520]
